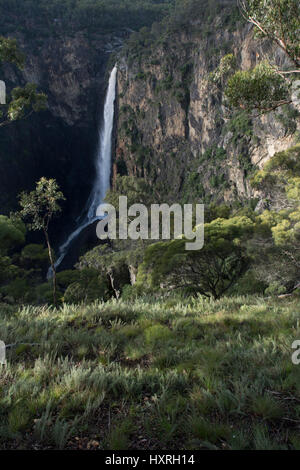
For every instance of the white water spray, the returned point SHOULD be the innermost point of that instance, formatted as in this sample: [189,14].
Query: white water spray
[103,168]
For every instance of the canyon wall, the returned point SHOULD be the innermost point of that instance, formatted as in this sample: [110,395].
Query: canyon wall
[174,128]
[61,141]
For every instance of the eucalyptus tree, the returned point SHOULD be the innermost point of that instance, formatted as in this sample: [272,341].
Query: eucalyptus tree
[38,208]
[278,20]
[268,86]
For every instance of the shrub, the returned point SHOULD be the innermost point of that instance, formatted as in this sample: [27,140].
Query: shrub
[267,407]
[44,293]
[157,334]
[35,256]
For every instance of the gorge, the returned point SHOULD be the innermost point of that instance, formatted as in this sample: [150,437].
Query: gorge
[170,316]
[102,170]
[171,129]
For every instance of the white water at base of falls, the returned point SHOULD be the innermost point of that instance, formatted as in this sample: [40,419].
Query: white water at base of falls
[103,169]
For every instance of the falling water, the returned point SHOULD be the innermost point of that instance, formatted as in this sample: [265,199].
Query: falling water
[103,169]
[103,161]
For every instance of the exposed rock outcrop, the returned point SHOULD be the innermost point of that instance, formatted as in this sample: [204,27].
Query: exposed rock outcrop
[173,127]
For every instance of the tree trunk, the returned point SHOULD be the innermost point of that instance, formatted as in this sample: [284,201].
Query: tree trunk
[52,266]
[111,279]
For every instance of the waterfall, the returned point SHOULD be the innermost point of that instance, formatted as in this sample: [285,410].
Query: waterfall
[102,167]
[103,161]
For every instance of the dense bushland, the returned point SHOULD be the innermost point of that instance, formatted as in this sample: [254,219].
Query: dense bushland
[55,16]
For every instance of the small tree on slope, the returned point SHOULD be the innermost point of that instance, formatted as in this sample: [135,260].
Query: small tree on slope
[38,208]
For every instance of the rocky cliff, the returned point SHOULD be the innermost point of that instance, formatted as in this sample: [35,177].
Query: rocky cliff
[174,128]
[60,142]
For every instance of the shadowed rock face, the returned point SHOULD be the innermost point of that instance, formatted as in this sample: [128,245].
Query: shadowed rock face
[60,142]
[173,127]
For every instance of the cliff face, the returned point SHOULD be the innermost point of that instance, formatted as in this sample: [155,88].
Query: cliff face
[60,142]
[173,126]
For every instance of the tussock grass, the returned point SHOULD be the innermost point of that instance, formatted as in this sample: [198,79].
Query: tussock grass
[151,375]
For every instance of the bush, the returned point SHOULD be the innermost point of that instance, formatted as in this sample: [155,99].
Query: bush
[19,290]
[34,256]
[248,284]
[44,293]
[157,334]
[275,288]
[65,278]
[87,289]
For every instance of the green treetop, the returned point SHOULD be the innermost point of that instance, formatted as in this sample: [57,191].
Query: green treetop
[38,208]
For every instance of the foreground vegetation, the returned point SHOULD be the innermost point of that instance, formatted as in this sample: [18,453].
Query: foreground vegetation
[178,374]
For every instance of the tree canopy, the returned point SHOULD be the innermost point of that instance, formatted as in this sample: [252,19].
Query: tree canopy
[101,16]
[24,101]
[38,208]
[260,88]
[12,233]
[278,20]
[267,86]
[210,271]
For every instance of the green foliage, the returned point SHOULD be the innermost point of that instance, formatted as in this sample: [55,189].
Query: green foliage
[90,286]
[7,269]
[25,99]
[65,278]
[120,434]
[288,118]
[40,205]
[193,187]
[34,256]
[213,154]
[275,289]
[19,290]
[157,334]
[226,68]
[241,127]
[55,17]
[267,407]
[10,53]
[217,211]
[12,233]
[18,419]
[191,16]
[281,173]
[212,270]
[201,429]
[217,180]
[266,88]
[38,208]
[278,229]
[260,88]
[249,284]
[44,294]
[277,20]
[185,10]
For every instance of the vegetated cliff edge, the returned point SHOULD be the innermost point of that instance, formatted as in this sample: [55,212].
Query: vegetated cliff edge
[174,128]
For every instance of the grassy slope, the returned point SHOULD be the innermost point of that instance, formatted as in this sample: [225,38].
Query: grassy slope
[152,375]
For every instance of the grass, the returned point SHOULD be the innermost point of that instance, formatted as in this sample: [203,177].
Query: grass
[192,374]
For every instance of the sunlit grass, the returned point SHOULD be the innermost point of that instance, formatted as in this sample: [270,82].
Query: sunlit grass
[186,374]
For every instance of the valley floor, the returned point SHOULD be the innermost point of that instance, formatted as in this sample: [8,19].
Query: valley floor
[168,374]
